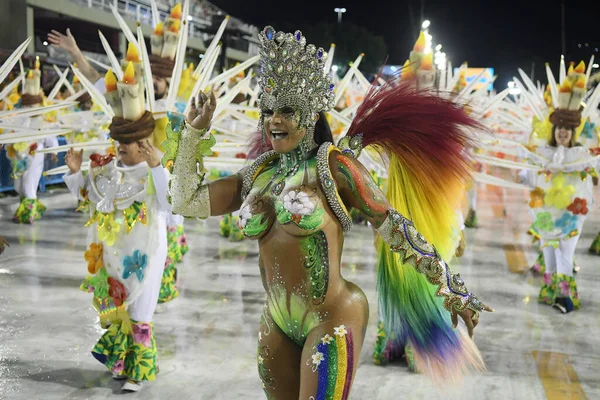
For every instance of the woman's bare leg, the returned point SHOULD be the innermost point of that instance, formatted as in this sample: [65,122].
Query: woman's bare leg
[278,360]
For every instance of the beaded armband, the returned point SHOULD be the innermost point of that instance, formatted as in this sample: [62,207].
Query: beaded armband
[404,239]
[184,159]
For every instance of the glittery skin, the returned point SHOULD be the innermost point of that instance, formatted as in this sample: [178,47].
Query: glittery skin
[316,263]
[264,352]
[333,367]
[412,247]
[323,371]
[371,199]
[333,361]
[189,196]
[350,367]
[340,381]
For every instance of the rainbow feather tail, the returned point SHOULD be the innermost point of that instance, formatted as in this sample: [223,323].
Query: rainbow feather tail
[426,140]
[413,314]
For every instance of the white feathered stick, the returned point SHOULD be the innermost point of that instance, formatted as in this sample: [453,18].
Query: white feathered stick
[13,59]
[116,66]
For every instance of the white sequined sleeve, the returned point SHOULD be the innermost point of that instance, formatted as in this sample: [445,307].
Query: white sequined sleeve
[189,194]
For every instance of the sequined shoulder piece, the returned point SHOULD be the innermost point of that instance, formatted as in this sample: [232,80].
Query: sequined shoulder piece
[251,173]
[329,186]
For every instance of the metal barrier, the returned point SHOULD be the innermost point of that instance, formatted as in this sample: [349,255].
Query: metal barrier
[7,183]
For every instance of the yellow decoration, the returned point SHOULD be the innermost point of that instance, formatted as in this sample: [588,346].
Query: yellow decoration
[129,76]
[427,62]
[407,72]
[420,43]
[176,11]
[174,26]
[565,87]
[160,133]
[537,198]
[94,258]
[11,152]
[580,69]
[132,53]
[159,29]
[20,146]
[110,314]
[112,150]
[108,230]
[541,129]
[559,195]
[110,81]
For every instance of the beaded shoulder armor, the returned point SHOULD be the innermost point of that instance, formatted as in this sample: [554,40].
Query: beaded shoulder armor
[329,186]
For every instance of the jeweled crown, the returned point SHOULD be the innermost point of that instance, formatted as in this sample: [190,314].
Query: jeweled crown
[292,75]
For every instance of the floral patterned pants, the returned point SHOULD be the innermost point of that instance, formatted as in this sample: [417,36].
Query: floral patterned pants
[130,354]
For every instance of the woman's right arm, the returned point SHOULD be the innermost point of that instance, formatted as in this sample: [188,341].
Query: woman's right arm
[190,196]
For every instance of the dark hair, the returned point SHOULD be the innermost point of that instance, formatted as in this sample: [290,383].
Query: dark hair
[553,143]
[322,130]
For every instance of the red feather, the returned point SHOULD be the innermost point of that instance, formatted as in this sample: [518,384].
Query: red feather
[426,132]
[257,145]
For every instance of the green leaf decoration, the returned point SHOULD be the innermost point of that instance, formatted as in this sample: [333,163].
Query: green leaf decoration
[134,213]
[283,215]
[204,149]
[100,283]
[255,225]
[312,221]
[171,145]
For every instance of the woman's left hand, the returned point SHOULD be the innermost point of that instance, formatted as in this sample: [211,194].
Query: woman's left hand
[470,317]
[150,153]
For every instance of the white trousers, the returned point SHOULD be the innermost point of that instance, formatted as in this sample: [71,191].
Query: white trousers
[472,196]
[560,260]
[27,185]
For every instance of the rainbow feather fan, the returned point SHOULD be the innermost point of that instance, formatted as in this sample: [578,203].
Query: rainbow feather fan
[426,140]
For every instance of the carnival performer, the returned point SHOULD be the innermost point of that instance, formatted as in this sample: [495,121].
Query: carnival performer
[162,61]
[562,194]
[27,163]
[127,239]
[295,201]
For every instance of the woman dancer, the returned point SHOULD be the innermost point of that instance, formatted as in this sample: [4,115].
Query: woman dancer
[295,200]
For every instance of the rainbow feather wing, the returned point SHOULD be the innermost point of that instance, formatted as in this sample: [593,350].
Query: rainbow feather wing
[426,140]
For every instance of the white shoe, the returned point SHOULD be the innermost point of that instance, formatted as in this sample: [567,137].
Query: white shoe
[131,386]
[119,377]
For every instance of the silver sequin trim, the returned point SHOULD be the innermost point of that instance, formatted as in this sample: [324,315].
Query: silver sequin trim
[330,188]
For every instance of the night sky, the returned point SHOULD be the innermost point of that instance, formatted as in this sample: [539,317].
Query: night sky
[504,35]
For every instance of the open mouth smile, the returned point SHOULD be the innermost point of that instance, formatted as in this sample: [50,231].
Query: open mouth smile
[279,135]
